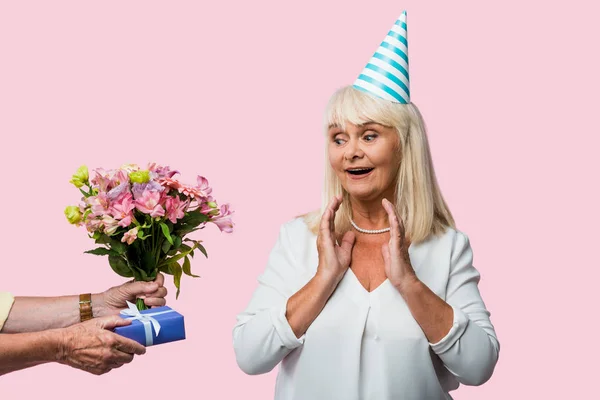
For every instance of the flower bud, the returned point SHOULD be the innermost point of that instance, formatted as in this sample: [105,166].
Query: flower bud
[73,214]
[139,176]
[212,204]
[80,177]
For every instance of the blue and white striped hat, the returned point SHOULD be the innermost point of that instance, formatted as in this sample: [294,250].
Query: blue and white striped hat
[386,74]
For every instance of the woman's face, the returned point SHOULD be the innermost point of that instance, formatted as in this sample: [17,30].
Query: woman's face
[365,158]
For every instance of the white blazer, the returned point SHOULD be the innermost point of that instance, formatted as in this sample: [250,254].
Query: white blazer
[366,345]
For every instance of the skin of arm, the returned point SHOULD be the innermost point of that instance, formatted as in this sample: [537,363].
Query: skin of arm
[306,304]
[433,314]
[33,314]
[26,350]
[39,330]
[89,346]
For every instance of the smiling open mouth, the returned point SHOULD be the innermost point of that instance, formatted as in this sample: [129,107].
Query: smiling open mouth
[359,171]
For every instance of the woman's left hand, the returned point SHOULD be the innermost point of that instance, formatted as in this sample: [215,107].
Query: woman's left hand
[113,300]
[395,253]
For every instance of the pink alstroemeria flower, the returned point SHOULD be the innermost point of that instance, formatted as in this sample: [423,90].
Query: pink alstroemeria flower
[175,208]
[101,180]
[158,171]
[105,181]
[149,203]
[130,168]
[110,224]
[203,186]
[138,189]
[130,235]
[119,190]
[93,224]
[99,204]
[223,220]
[122,209]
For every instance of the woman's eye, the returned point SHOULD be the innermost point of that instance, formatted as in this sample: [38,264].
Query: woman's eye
[370,137]
[338,141]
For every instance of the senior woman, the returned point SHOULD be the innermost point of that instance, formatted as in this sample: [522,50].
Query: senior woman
[72,330]
[375,295]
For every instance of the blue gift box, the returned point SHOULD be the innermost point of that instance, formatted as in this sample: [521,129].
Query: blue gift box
[143,331]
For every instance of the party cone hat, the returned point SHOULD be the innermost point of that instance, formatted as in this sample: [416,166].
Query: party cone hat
[386,74]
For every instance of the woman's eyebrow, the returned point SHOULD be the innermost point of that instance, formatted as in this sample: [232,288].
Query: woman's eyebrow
[369,123]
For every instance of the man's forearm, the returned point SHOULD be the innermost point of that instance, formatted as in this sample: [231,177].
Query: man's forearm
[34,314]
[24,350]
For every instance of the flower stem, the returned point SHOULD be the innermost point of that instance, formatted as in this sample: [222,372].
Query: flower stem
[140,304]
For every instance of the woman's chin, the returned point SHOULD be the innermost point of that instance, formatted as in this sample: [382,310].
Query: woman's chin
[362,194]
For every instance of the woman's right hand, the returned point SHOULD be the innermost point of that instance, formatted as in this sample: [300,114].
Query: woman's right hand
[334,259]
[92,347]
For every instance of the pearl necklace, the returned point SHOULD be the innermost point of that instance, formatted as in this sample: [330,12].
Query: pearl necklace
[368,230]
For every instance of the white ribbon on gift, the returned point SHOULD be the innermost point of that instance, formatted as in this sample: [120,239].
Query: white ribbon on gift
[133,313]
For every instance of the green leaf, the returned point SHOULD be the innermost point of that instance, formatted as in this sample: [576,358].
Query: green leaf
[175,258]
[202,249]
[187,268]
[166,246]
[119,265]
[176,271]
[140,275]
[141,235]
[148,263]
[102,251]
[118,246]
[165,231]
[185,247]
[189,222]
[102,238]
[194,218]
[165,270]
[176,242]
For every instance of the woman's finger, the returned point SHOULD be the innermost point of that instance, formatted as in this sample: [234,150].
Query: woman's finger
[334,207]
[324,227]
[395,238]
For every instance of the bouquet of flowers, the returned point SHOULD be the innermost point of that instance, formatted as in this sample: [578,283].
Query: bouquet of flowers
[141,219]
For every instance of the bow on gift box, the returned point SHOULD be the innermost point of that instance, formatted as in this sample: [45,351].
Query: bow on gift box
[146,319]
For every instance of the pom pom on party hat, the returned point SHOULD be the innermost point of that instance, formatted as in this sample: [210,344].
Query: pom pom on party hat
[386,74]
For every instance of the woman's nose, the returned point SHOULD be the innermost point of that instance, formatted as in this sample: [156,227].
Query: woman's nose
[353,150]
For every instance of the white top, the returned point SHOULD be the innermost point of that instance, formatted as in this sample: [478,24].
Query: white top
[366,345]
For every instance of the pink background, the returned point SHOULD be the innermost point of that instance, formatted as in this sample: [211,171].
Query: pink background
[235,91]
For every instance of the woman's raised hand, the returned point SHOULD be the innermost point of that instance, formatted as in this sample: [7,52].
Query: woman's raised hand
[334,259]
[398,267]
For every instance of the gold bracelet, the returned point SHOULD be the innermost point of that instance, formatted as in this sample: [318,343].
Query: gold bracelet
[85,307]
